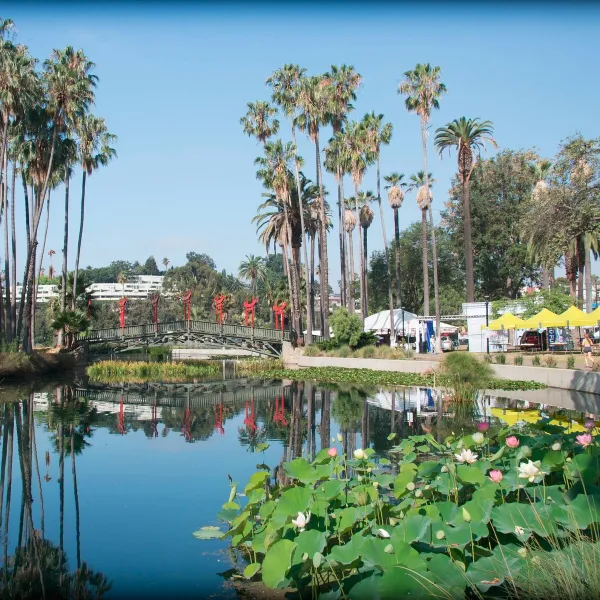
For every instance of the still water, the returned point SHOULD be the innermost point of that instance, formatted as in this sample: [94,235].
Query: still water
[118,477]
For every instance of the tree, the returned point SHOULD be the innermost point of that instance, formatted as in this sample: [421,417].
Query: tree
[366,218]
[252,269]
[395,198]
[165,262]
[379,133]
[347,328]
[95,151]
[467,136]
[71,322]
[259,121]
[349,225]
[423,90]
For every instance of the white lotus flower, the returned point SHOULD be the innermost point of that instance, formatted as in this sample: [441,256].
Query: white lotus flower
[466,456]
[519,530]
[478,438]
[339,437]
[383,533]
[529,470]
[301,521]
[556,446]
[359,454]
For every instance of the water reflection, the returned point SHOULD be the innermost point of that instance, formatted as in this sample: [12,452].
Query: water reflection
[130,470]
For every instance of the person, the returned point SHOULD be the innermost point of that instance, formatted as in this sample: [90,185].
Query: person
[432,343]
[587,350]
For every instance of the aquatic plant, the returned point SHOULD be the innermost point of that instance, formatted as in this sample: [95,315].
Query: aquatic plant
[441,520]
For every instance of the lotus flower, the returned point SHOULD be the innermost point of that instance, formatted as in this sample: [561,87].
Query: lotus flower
[529,470]
[466,456]
[301,521]
[478,438]
[495,476]
[556,446]
[519,530]
[359,454]
[483,427]
[339,437]
[383,533]
[332,452]
[512,441]
[584,440]
[589,424]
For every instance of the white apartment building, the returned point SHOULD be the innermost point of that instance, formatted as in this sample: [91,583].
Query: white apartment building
[138,287]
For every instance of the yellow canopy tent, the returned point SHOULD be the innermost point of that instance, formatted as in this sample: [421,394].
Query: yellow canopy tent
[545,318]
[595,316]
[506,321]
[575,317]
[512,416]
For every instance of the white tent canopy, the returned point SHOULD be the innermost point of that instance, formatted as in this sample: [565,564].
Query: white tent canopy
[380,322]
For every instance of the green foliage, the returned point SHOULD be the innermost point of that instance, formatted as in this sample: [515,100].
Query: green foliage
[501,358]
[417,528]
[467,376]
[347,328]
[570,362]
[519,360]
[550,361]
[116,370]
[536,361]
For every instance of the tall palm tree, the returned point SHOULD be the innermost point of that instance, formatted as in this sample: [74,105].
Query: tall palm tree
[95,151]
[395,198]
[343,82]
[349,225]
[423,90]
[259,121]
[286,84]
[165,262]
[122,279]
[252,269]
[356,146]
[424,201]
[366,218]
[379,133]
[314,97]
[467,136]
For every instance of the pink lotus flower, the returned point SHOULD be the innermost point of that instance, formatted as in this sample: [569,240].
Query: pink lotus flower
[495,476]
[483,427]
[589,424]
[584,440]
[332,452]
[512,441]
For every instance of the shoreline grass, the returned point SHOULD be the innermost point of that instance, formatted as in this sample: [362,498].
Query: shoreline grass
[18,365]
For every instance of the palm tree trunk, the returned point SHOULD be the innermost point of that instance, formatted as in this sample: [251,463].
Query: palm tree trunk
[61,491]
[360,254]
[397,238]
[545,278]
[39,479]
[438,342]
[312,278]
[309,316]
[343,282]
[571,275]
[324,266]
[387,258]
[295,291]
[74,471]
[581,269]
[466,190]
[9,460]
[425,263]
[41,261]
[79,239]
[7,309]
[588,276]
[3,461]
[13,311]
[352,307]
[287,265]
[365,279]
[65,274]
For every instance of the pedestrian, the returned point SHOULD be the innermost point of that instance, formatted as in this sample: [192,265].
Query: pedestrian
[587,350]
[432,342]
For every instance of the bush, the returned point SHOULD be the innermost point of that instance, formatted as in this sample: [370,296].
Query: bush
[367,338]
[312,350]
[519,360]
[328,345]
[550,362]
[347,328]
[536,361]
[466,375]
[342,352]
[488,358]
[501,358]
[570,362]
[366,352]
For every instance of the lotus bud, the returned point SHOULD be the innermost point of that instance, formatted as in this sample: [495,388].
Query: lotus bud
[440,535]
[466,515]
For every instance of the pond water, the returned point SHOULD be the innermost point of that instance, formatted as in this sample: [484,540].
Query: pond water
[146,465]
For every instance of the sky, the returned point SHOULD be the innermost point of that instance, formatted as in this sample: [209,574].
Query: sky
[175,80]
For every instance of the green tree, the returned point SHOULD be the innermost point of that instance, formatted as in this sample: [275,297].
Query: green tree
[252,269]
[347,328]
[71,322]
[395,197]
[423,90]
[259,121]
[467,136]
[366,216]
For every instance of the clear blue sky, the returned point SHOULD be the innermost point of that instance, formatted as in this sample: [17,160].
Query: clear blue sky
[175,80]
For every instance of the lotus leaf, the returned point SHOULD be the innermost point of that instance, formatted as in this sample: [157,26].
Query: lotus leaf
[276,563]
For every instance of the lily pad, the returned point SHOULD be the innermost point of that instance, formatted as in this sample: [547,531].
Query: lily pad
[208,533]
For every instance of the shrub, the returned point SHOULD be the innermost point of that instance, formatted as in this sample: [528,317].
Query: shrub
[488,358]
[536,361]
[519,360]
[347,328]
[367,352]
[342,352]
[501,358]
[466,375]
[550,362]
[570,362]
[312,350]
[328,345]
[367,338]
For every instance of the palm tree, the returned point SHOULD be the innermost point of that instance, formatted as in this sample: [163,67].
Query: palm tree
[343,82]
[71,322]
[259,121]
[314,95]
[285,83]
[395,198]
[122,279]
[356,146]
[253,268]
[467,136]
[423,90]
[424,201]
[366,218]
[95,151]
[379,133]
[165,262]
